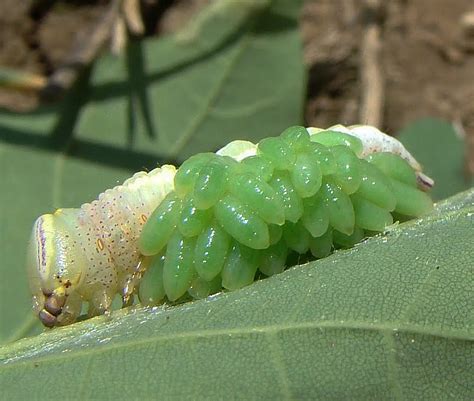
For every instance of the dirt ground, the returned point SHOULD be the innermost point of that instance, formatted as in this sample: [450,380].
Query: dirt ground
[384,62]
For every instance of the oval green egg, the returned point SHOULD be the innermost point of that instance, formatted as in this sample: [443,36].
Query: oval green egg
[242,223]
[187,173]
[273,259]
[306,175]
[296,237]
[277,152]
[370,216]
[151,291]
[160,225]
[201,288]
[212,246]
[275,233]
[210,185]
[292,202]
[394,166]
[321,246]
[349,173]
[316,215]
[411,201]
[297,137]
[258,166]
[178,270]
[260,197]
[376,187]
[324,156]
[348,241]
[240,267]
[334,138]
[341,212]
[192,220]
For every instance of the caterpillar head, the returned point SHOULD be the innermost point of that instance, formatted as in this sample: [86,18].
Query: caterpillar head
[55,268]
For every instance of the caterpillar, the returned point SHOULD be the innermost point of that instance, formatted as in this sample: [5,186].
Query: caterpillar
[222,219]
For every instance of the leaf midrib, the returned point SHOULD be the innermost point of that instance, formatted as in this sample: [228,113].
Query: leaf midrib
[386,328]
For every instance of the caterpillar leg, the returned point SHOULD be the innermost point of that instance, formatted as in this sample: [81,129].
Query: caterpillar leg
[100,303]
[132,282]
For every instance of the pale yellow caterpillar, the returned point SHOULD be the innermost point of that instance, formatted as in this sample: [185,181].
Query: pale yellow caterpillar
[90,254]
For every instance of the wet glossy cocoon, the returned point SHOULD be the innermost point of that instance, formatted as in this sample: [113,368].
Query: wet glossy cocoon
[242,223]
[160,225]
[260,197]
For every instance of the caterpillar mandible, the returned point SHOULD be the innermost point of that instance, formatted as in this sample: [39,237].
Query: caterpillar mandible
[222,218]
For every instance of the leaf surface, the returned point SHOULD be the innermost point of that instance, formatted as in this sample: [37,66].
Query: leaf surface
[391,318]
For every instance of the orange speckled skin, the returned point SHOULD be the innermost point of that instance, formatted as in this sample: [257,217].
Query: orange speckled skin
[90,254]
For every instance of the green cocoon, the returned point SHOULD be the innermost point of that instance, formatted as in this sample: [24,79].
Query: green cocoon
[394,166]
[348,241]
[201,288]
[306,175]
[324,156]
[277,152]
[242,223]
[275,233]
[192,220]
[296,237]
[259,167]
[293,204]
[273,259]
[411,201]
[178,270]
[151,291]
[341,212]
[316,215]
[376,187]
[240,267]
[211,249]
[321,246]
[297,137]
[210,185]
[334,138]
[348,175]
[186,175]
[369,216]
[160,225]
[260,197]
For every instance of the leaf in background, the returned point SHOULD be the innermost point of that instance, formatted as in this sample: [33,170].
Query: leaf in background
[389,319]
[440,151]
[241,76]
[199,95]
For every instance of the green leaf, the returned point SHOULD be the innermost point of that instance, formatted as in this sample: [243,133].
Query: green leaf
[199,95]
[440,150]
[239,77]
[391,318]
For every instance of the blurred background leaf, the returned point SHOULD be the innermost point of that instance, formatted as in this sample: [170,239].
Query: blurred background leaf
[441,151]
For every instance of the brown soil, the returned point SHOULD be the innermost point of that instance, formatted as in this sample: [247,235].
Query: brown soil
[426,54]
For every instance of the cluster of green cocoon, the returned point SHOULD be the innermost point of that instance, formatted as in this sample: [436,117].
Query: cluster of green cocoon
[228,222]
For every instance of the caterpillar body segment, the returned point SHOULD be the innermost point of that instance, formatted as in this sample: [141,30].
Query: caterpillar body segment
[222,219]
[91,253]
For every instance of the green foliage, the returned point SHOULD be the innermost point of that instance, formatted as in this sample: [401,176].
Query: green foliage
[441,151]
